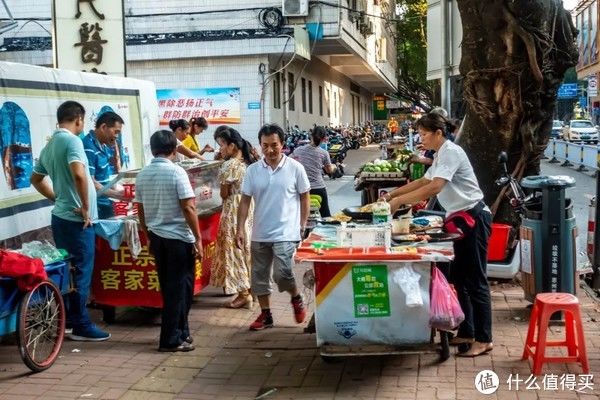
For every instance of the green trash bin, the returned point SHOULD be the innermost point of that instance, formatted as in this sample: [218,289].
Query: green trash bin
[548,235]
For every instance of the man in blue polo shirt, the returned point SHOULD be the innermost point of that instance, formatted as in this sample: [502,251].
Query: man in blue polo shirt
[72,191]
[97,145]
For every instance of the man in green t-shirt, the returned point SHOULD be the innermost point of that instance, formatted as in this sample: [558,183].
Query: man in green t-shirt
[73,193]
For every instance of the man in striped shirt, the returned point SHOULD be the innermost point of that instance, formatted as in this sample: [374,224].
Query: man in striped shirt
[97,149]
[167,214]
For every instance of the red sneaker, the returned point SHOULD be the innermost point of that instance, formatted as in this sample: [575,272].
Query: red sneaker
[299,310]
[264,321]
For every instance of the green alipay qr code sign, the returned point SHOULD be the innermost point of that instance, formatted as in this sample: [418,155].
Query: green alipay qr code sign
[371,293]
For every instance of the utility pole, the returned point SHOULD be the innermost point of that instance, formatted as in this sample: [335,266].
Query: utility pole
[446,56]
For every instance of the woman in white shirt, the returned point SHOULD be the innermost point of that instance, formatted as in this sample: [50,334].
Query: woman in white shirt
[452,180]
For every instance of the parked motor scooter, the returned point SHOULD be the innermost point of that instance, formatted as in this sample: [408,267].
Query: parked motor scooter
[337,148]
[519,201]
[294,139]
[337,152]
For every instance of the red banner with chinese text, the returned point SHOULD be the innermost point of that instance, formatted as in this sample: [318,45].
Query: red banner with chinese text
[121,280]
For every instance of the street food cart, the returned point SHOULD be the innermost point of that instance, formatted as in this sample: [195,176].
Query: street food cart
[120,279]
[362,303]
[370,183]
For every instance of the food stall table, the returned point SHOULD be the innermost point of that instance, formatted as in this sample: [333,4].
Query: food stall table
[120,279]
[361,308]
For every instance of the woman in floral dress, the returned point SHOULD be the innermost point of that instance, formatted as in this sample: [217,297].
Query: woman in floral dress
[231,265]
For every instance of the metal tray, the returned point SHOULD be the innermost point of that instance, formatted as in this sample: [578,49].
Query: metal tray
[435,237]
[328,221]
[356,214]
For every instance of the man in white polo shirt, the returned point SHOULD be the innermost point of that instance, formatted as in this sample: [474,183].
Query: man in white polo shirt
[280,189]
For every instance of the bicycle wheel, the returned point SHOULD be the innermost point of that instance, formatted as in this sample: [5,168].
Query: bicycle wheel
[41,326]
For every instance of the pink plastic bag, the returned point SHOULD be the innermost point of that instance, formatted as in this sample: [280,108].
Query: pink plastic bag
[444,312]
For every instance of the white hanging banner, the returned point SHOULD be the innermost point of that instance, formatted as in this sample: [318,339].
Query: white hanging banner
[592,86]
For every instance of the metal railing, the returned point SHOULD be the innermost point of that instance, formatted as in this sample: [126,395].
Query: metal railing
[583,157]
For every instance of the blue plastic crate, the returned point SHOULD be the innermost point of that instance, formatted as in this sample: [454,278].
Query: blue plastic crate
[58,273]
[9,296]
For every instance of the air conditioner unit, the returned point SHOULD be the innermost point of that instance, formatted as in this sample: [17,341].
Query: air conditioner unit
[294,8]
[366,27]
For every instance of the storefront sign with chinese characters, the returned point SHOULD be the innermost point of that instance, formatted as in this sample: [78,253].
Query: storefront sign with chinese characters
[119,279]
[89,35]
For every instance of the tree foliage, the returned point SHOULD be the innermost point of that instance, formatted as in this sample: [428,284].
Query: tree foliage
[411,42]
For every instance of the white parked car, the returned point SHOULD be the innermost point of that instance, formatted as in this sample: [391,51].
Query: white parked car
[581,130]
[557,127]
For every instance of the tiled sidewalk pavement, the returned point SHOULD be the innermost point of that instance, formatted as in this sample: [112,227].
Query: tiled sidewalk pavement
[283,363]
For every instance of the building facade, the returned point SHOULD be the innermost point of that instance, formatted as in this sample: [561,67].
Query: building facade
[444,36]
[259,47]
[586,21]
[444,33]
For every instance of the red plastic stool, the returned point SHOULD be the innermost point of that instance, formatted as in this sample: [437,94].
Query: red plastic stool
[545,305]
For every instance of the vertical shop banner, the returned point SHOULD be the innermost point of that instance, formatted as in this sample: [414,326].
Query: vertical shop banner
[380,111]
[89,36]
[593,32]
[371,291]
[578,24]
[592,86]
[585,34]
[216,105]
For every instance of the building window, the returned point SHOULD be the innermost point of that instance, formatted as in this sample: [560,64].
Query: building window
[328,100]
[292,99]
[276,90]
[310,97]
[335,105]
[353,7]
[320,100]
[303,95]
[354,110]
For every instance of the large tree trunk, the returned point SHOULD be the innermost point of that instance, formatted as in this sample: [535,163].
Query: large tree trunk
[514,57]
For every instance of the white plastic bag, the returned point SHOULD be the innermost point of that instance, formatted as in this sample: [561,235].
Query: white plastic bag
[408,280]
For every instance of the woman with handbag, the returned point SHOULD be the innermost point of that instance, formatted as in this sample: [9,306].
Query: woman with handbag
[452,180]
